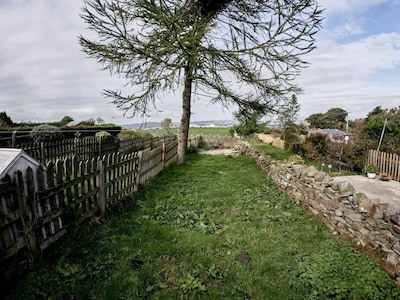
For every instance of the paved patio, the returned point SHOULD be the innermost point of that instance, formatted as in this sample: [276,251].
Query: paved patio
[387,191]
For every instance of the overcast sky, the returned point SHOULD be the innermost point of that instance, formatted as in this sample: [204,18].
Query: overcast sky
[44,75]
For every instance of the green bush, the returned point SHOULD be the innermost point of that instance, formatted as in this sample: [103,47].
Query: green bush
[246,129]
[45,133]
[128,134]
[372,168]
[102,133]
[296,159]
[315,147]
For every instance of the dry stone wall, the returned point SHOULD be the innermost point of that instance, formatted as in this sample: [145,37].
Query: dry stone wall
[372,226]
[270,139]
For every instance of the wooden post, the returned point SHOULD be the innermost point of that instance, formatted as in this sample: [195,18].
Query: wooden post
[163,156]
[102,187]
[99,138]
[42,157]
[29,233]
[138,170]
[14,139]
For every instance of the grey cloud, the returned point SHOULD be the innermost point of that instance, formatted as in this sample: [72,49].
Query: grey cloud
[44,75]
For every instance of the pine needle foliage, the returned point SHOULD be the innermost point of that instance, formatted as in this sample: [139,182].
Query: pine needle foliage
[230,52]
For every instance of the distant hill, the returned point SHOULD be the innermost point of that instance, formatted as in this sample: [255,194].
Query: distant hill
[152,125]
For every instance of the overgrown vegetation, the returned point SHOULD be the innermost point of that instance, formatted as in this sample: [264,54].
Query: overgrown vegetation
[45,133]
[182,240]
[128,134]
[288,156]
[5,120]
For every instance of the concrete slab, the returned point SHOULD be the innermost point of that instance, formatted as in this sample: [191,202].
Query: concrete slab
[220,152]
[386,191]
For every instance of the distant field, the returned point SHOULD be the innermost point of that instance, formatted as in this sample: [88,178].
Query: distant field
[192,131]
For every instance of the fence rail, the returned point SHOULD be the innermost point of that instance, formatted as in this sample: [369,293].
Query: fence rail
[37,207]
[387,163]
[89,147]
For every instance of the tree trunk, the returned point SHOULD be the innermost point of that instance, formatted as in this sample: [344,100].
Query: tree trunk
[186,112]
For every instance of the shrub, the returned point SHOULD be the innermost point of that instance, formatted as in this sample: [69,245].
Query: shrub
[296,159]
[246,130]
[45,133]
[102,133]
[315,147]
[292,141]
[128,134]
[372,168]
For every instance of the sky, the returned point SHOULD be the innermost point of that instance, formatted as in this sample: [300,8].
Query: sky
[44,75]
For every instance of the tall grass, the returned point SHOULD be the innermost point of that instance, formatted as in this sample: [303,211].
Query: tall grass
[181,238]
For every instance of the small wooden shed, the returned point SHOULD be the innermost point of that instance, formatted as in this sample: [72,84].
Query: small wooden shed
[12,160]
[14,228]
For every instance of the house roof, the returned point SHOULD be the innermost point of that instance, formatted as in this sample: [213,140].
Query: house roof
[334,132]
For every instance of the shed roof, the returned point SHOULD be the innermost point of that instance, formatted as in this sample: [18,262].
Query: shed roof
[9,157]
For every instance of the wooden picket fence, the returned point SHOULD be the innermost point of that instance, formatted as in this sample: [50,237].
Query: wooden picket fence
[388,163]
[90,146]
[38,207]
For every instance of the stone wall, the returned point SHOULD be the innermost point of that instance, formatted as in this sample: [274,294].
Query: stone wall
[270,139]
[372,226]
[220,141]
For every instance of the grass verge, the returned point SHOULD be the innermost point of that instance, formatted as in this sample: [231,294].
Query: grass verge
[216,228]
[272,151]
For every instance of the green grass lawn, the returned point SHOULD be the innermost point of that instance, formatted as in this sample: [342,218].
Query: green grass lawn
[181,238]
[274,152]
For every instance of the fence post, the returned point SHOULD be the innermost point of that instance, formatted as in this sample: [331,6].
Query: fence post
[14,139]
[163,156]
[75,146]
[102,187]
[99,139]
[29,233]
[42,156]
[117,142]
[139,169]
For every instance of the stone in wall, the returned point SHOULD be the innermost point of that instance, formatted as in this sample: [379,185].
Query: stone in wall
[395,218]
[377,210]
[358,197]
[344,187]
[366,204]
